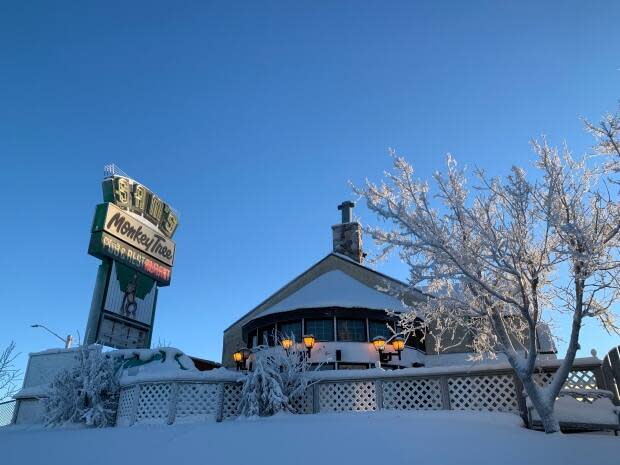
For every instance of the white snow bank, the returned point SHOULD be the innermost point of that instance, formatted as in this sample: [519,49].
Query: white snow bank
[472,367]
[568,409]
[145,373]
[336,289]
[430,438]
[166,364]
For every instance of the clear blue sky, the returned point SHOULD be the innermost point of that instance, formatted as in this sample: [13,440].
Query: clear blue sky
[250,118]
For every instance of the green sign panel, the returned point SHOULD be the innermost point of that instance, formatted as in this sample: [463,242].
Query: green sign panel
[132,234]
[104,245]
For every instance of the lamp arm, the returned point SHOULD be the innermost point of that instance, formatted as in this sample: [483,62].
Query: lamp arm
[51,332]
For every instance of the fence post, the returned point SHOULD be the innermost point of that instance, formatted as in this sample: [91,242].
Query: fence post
[445,393]
[379,393]
[220,403]
[172,402]
[520,398]
[316,401]
[136,402]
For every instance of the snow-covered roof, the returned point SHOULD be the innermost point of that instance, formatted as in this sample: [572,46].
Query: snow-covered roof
[336,289]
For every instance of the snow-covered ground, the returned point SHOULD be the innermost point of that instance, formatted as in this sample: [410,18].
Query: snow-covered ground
[410,437]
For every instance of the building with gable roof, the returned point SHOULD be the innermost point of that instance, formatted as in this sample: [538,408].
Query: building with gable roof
[344,305]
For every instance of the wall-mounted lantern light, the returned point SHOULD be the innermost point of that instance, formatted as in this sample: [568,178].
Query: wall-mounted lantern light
[287,343]
[379,343]
[398,344]
[309,343]
[240,357]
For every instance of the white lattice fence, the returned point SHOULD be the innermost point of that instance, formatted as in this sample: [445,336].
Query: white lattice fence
[126,405]
[196,402]
[193,401]
[577,379]
[232,398]
[492,393]
[303,403]
[412,394]
[153,403]
[182,402]
[347,396]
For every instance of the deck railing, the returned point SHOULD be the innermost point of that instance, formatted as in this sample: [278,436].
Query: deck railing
[494,388]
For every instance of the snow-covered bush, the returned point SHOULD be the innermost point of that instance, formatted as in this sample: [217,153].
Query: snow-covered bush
[88,393]
[278,377]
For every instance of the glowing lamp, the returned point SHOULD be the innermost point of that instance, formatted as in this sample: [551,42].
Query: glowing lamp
[238,358]
[379,343]
[398,343]
[309,342]
[241,356]
[287,343]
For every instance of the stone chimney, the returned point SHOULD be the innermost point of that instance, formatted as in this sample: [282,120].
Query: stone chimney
[347,236]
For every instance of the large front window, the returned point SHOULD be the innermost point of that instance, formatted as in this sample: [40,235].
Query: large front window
[352,330]
[266,336]
[291,330]
[322,330]
[378,328]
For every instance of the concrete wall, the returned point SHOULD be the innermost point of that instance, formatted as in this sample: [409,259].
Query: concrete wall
[41,370]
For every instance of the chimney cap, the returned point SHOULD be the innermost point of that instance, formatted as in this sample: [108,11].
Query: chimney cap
[346,207]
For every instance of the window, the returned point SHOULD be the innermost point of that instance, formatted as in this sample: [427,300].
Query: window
[322,330]
[292,329]
[324,367]
[378,328]
[352,366]
[352,330]
[266,336]
[251,339]
[417,337]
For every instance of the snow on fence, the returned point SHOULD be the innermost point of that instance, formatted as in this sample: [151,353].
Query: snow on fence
[6,412]
[493,388]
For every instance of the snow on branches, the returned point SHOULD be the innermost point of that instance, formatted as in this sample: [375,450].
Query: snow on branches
[8,373]
[493,258]
[278,377]
[88,393]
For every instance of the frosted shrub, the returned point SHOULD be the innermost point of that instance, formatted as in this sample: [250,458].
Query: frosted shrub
[498,259]
[88,393]
[278,377]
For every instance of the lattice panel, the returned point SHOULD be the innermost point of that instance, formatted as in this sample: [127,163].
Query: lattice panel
[126,404]
[153,404]
[196,402]
[303,403]
[584,379]
[6,412]
[492,393]
[412,394]
[232,398]
[349,396]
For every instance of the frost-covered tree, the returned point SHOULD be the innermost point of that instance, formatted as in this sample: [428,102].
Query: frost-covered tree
[88,393]
[494,259]
[8,373]
[277,378]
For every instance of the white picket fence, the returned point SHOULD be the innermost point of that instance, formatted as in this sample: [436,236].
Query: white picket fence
[481,389]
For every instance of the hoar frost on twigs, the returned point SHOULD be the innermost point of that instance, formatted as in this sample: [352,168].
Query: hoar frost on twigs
[8,373]
[494,258]
[88,393]
[278,377]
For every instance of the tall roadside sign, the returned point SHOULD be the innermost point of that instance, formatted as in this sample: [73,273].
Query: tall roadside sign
[132,235]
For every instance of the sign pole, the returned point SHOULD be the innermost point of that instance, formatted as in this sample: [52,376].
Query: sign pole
[97,302]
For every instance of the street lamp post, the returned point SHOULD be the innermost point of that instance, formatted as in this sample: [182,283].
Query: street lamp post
[68,341]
